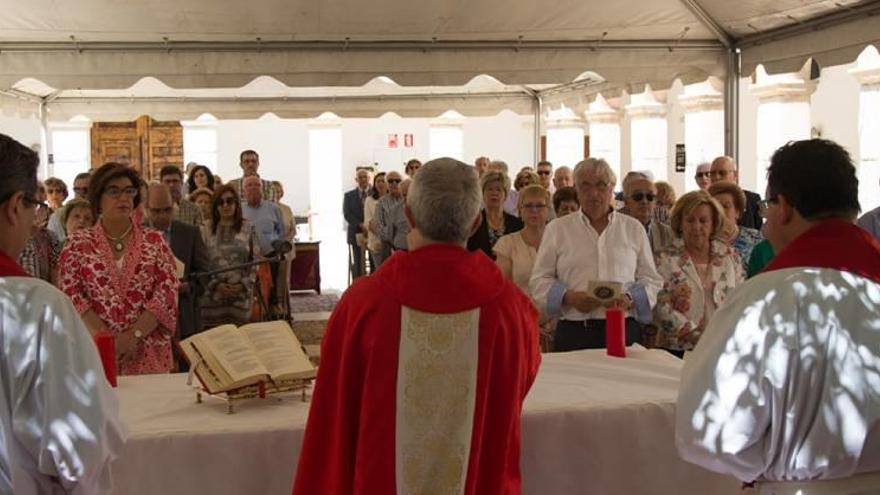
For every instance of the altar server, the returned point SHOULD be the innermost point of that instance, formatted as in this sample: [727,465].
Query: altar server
[59,425]
[785,383]
[425,364]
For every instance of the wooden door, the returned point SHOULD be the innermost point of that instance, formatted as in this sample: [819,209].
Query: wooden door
[145,145]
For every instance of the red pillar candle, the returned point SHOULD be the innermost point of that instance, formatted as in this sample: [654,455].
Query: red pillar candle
[107,350]
[615,332]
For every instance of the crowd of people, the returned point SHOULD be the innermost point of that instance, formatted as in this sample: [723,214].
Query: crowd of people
[479,276]
[675,258]
[131,253]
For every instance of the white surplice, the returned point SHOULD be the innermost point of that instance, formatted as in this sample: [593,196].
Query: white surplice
[785,382]
[59,426]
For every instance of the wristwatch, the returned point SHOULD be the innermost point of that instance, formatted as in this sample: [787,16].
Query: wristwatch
[138,334]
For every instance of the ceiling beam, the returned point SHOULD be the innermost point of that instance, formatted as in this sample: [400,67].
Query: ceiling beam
[267,99]
[268,46]
[709,22]
[843,15]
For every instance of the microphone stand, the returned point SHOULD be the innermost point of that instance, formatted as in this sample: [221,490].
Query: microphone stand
[275,256]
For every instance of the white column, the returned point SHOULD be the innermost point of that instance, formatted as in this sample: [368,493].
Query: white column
[649,134]
[783,116]
[604,125]
[867,72]
[565,138]
[703,128]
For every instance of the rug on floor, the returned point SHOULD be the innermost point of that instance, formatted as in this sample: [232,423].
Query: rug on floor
[312,303]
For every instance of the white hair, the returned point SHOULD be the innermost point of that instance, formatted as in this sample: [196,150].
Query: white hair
[445,199]
[597,166]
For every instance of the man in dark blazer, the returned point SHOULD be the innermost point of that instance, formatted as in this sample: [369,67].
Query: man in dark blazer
[724,169]
[187,246]
[353,211]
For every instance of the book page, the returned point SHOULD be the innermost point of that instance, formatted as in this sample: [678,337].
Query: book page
[233,351]
[279,349]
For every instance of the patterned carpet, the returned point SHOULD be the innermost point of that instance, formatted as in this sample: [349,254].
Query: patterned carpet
[310,302]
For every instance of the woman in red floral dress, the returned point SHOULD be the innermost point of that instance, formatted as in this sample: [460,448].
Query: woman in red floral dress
[122,277]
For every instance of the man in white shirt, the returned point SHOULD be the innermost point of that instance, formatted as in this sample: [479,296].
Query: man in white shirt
[785,382]
[59,425]
[596,244]
[562,178]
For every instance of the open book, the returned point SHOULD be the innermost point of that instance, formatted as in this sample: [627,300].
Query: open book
[226,358]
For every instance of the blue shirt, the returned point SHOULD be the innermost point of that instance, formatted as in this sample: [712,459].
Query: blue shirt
[266,220]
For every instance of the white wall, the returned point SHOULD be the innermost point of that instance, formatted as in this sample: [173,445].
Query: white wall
[835,108]
[24,130]
[284,151]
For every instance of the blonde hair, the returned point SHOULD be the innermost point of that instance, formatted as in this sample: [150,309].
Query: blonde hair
[493,176]
[532,190]
[690,202]
[523,175]
[665,193]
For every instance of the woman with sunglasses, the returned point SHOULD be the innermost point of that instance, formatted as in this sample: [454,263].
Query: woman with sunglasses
[228,295]
[378,251]
[121,277]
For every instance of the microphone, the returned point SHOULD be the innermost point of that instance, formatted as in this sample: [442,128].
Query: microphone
[280,246]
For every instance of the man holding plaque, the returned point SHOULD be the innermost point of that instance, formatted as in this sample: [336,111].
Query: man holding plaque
[592,260]
[424,364]
[59,425]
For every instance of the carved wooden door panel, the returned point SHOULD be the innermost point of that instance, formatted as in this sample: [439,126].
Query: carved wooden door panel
[145,145]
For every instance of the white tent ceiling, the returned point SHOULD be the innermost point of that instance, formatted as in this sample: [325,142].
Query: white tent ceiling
[87,54]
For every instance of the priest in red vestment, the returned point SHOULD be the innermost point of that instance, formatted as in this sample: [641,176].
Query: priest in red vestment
[783,387]
[425,364]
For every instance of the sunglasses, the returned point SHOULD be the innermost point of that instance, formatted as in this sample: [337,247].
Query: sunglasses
[81,190]
[227,201]
[640,196]
[543,172]
[703,175]
[393,181]
[534,206]
[53,191]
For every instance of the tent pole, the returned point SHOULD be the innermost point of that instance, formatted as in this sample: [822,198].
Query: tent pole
[539,109]
[731,104]
[47,166]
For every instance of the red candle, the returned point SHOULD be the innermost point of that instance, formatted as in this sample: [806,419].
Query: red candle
[107,350]
[615,332]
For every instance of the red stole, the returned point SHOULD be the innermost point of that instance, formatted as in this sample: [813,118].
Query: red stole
[9,267]
[836,244]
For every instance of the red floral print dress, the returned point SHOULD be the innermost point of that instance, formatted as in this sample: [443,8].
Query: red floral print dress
[120,291]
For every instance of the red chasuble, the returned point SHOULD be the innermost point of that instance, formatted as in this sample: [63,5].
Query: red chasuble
[363,434]
[9,268]
[836,244]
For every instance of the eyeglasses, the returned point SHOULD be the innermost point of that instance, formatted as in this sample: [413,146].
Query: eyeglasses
[34,202]
[534,206]
[160,211]
[765,203]
[115,192]
[703,175]
[228,201]
[543,172]
[52,190]
[393,181]
[720,173]
[638,196]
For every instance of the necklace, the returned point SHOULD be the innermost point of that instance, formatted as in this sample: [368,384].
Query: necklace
[116,242]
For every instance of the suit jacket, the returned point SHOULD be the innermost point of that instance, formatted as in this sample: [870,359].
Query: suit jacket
[188,246]
[752,216]
[353,211]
